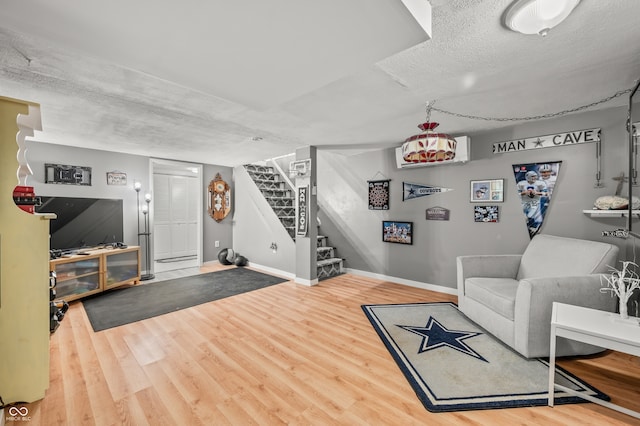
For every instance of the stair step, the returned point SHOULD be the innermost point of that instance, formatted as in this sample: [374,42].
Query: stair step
[284,194]
[273,179]
[263,178]
[330,261]
[270,186]
[277,197]
[324,253]
[258,168]
[329,268]
[284,211]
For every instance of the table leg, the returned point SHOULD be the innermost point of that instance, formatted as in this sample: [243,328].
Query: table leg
[552,365]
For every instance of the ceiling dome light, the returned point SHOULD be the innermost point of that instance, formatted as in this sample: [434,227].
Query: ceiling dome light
[537,16]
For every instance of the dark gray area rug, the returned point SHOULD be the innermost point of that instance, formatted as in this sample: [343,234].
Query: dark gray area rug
[123,306]
[452,364]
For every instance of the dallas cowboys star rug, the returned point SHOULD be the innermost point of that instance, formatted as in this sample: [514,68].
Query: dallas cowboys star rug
[452,364]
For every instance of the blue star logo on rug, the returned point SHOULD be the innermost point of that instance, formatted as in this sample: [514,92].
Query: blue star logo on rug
[435,335]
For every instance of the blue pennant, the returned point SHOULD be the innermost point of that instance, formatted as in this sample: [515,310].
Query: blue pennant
[435,335]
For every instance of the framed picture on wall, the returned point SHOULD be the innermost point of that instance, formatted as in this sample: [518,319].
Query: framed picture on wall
[116,178]
[487,191]
[487,214]
[397,232]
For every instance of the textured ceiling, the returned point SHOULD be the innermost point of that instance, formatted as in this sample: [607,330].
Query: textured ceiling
[234,82]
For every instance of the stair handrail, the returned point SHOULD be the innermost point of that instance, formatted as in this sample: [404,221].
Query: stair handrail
[286,177]
[282,173]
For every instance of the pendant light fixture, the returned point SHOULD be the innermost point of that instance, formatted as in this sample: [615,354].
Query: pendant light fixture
[429,146]
[537,16]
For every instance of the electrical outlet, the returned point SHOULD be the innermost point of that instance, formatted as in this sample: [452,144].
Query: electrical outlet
[217,243]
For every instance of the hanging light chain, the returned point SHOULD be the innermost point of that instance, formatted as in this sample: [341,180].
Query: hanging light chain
[429,108]
[534,117]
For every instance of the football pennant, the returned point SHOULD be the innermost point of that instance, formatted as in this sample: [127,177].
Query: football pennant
[415,190]
[535,183]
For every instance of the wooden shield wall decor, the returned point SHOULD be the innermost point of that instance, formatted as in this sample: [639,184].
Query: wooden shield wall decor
[219,198]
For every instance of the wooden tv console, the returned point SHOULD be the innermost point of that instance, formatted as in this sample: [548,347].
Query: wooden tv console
[80,275]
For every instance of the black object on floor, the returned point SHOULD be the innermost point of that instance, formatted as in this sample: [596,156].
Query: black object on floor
[123,306]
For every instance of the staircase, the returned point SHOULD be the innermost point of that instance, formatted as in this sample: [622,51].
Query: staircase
[281,199]
[279,196]
[328,264]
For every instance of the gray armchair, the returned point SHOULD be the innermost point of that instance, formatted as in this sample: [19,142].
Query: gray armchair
[510,296]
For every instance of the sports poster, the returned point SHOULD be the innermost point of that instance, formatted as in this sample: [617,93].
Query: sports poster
[535,183]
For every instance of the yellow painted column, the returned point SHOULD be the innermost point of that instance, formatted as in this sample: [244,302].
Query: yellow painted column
[24,269]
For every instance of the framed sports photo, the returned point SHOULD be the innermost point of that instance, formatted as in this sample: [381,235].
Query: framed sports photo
[397,232]
[486,214]
[487,191]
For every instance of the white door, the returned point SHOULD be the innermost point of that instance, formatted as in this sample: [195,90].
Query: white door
[176,221]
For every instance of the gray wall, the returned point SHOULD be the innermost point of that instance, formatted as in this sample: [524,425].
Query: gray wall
[136,168]
[216,231]
[356,231]
[256,227]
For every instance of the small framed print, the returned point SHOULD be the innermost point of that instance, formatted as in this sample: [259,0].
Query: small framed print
[487,214]
[397,232]
[116,178]
[67,175]
[487,191]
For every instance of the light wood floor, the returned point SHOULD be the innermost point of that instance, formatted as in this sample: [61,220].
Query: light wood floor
[286,354]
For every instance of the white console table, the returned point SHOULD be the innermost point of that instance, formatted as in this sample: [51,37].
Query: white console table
[604,329]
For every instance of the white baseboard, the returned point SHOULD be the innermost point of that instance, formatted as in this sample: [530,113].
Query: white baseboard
[306,282]
[410,283]
[272,270]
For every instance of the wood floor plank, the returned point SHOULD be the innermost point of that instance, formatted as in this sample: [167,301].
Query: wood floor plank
[156,412]
[77,403]
[182,411]
[144,345]
[285,354]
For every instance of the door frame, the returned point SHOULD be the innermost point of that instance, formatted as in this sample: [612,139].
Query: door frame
[181,168]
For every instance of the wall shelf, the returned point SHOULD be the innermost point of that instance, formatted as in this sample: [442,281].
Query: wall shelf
[609,213]
[24,276]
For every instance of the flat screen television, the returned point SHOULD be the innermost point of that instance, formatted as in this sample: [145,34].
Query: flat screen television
[83,222]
